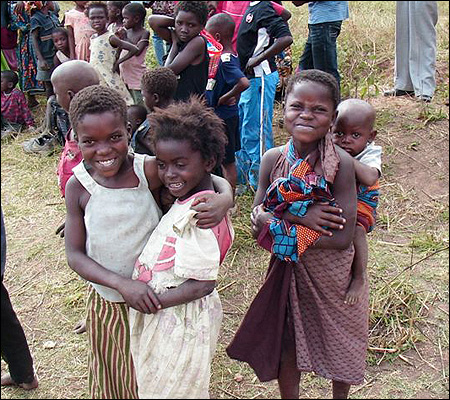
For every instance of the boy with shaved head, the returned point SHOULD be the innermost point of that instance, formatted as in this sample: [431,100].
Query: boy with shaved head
[67,80]
[354,132]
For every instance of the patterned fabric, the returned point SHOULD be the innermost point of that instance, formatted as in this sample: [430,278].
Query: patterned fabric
[163,8]
[15,108]
[173,348]
[367,204]
[111,370]
[285,69]
[296,193]
[103,56]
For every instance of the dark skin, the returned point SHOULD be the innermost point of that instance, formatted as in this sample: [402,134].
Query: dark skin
[105,136]
[133,31]
[187,29]
[309,115]
[62,44]
[98,20]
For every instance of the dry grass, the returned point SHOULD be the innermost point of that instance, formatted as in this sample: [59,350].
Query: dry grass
[408,263]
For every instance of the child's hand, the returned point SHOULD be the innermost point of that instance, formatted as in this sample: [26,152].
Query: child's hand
[210,210]
[259,218]
[115,68]
[121,33]
[140,296]
[318,217]
[42,64]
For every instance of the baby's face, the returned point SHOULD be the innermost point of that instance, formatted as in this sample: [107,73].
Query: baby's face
[352,134]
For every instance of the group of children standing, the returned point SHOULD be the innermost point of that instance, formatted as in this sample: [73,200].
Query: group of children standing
[149,233]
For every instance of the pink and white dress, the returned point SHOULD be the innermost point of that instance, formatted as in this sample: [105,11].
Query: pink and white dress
[173,348]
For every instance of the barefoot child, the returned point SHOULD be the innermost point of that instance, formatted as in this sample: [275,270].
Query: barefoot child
[354,132]
[298,320]
[132,69]
[174,341]
[104,46]
[110,200]
[188,56]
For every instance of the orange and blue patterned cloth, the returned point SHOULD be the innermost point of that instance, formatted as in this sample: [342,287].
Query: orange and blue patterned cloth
[367,204]
[302,188]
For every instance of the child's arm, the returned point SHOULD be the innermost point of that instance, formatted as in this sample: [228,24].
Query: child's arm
[42,64]
[179,61]
[143,42]
[365,174]
[71,37]
[122,45]
[277,47]
[27,116]
[235,92]
[344,192]
[211,208]
[135,293]
[161,24]
[188,291]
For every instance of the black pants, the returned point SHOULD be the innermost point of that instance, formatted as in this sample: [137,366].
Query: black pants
[14,344]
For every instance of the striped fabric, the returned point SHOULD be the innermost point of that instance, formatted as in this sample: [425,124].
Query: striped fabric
[111,370]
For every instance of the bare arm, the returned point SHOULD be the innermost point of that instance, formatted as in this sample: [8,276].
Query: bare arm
[188,291]
[191,54]
[122,45]
[344,191]
[136,294]
[365,174]
[161,24]
[235,92]
[277,47]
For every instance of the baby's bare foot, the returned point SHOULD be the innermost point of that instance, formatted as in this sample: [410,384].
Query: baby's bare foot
[354,291]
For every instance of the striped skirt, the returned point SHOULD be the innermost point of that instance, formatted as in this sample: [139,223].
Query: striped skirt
[111,370]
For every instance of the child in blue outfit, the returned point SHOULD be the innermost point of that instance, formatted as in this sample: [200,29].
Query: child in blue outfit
[224,91]
[262,35]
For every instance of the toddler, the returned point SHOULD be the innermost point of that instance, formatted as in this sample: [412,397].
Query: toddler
[15,111]
[136,115]
[174,342]
[354,132]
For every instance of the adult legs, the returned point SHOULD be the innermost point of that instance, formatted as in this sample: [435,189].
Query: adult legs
[306,59]
[323,47]
[403,80]
[14,346]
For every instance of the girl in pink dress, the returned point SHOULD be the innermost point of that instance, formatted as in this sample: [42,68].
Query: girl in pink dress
[80,31]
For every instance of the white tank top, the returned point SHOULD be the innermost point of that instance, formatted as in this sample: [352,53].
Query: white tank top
[118,223]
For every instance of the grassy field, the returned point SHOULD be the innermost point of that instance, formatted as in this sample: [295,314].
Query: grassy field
[408,262]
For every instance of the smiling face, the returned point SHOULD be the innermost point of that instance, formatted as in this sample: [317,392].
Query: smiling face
[183,171]
[309,113]
[103,141]
[187,26]
[98,19]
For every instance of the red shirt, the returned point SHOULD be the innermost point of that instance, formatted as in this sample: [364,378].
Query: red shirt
[15,108]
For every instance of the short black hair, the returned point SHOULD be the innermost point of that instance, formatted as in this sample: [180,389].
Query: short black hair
[317,76]
[61,29]
[198,8]
[118,4]
[224,24]
[137,9]
[10,76]
[96,99]
[139,111]
[96,4]
[192,121]
[160,80]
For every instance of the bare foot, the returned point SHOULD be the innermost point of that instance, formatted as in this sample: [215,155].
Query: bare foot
[354,291]
[8,381]
[80,327]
